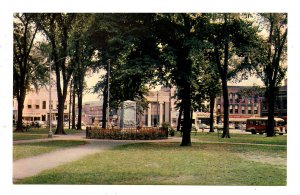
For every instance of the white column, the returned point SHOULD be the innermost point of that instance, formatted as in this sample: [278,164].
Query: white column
[160,113]
[149,115]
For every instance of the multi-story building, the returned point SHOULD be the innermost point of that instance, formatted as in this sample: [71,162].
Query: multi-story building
[160,108]
[240,107]
[92,112]
[36,105]
[280,109]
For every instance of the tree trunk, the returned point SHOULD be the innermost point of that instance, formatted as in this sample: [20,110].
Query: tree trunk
[185,66]
[60,117]
[187,123]
[211,111]
[226,109]
[20,112]
[61,97]
[79,103]
[271,105]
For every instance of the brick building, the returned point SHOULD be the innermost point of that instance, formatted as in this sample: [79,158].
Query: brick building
[240,108]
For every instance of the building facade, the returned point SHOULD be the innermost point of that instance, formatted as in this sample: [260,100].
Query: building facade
[160,108]
[280,109]
[36,106]
[240,107]
[92,112]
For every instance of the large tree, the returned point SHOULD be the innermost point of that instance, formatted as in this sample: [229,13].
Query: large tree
[176,36]
[271,58]
[28,69]
[233,38]
[126,41]
[58,28]
[83,55]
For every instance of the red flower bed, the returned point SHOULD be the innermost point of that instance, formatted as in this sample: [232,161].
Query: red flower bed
[145,133]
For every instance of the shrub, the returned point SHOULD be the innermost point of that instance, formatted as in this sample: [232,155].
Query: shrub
[165,125]
[171,131]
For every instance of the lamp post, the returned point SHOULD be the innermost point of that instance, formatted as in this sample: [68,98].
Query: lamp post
[157,106]
[70,104]
[108,76]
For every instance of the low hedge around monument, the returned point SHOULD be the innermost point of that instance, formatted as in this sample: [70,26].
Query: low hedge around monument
[145,133]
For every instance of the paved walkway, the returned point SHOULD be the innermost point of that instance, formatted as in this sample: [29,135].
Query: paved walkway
[31,166]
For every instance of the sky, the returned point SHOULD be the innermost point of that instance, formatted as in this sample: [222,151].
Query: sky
[9,7]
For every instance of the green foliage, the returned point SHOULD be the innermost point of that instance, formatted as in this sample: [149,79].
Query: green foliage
[165,125]
[171,131]
[28,61]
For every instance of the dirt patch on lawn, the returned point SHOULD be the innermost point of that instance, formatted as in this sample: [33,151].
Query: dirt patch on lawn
[265,159]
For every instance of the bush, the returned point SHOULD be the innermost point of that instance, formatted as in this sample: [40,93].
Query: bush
[165,125]
[171,131]
[194,128]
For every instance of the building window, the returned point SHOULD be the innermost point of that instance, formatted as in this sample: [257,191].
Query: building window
[29,106]
[65,107]
[37,106]
[249,100]
[243,99]
[243,109]
[230,109]
[249,110]
[44,104]
[236,109]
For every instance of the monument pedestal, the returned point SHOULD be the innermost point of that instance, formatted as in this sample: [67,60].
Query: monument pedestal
[128,114]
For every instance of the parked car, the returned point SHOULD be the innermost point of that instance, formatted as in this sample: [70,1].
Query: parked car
[219,126]
[203,126]
[39,124]
[54,124]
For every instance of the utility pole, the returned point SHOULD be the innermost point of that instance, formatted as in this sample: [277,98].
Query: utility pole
[70,104]
[157,106]
[170,109]
[50,133]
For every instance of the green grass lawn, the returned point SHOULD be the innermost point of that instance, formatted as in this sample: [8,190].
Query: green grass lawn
[38,133]
[240,138]
[170,164]
[32,149]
